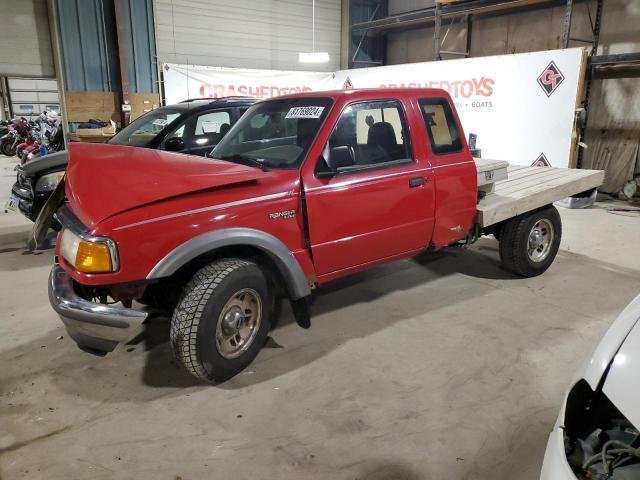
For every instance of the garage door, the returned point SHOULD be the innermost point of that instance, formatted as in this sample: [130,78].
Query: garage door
[247,34]
[31,96]
[25,42]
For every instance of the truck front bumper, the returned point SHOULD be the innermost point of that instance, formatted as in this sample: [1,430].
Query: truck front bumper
[92,326]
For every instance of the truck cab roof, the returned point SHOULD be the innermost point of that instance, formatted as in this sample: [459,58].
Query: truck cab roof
[366,93]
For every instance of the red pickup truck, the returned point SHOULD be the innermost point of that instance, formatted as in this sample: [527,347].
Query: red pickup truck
[304,189]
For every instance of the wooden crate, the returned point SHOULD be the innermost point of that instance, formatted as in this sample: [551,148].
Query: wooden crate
[142,103]
[82,106]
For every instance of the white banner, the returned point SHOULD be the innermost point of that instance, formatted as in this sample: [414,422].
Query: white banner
[521,107]
[193,81]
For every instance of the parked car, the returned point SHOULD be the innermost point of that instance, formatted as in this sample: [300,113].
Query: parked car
[597,434]
[192,126]
[304,189]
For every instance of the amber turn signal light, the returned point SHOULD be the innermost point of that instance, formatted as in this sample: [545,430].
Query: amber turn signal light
[93,258]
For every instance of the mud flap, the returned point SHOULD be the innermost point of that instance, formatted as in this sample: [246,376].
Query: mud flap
[301,312]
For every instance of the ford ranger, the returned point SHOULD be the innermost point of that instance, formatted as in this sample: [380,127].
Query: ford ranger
[304,189]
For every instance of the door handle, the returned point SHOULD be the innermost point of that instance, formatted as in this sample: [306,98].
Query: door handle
[416,182]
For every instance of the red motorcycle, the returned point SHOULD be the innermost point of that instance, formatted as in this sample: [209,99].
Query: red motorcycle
[18,131]
[29,145]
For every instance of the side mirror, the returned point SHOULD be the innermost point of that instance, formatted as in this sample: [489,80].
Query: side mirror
[174,144]
[341,156]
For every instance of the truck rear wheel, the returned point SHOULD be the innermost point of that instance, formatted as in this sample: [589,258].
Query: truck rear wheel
[222,319]
[529,242]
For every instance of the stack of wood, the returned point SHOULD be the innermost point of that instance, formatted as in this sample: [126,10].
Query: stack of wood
[93,135]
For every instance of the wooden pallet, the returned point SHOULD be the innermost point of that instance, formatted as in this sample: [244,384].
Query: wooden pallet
[528,188]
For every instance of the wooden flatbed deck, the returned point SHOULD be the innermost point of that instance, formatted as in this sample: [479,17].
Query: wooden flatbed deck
[528,188]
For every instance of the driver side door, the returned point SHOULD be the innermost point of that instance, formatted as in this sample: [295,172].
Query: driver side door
[381,206]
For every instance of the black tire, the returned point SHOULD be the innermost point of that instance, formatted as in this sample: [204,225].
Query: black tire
[195,319]
[7,149]
[515,247]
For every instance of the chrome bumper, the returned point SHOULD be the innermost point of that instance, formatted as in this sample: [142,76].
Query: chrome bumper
[92,325]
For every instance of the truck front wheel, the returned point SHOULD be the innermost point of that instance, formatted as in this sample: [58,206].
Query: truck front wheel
[222,319]
[529,242]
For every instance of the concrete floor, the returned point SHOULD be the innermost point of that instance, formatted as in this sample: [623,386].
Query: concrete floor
[442,367]
[7,176]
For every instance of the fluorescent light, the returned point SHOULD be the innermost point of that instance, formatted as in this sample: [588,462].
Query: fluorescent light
[313,57]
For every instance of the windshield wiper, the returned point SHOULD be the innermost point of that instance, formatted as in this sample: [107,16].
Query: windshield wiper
[246,160]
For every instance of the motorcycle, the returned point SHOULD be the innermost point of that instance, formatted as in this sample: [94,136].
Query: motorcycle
[49,138]
[31,143]
[18,131]
[4,127]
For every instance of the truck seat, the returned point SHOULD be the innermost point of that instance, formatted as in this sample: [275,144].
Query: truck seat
[381,139]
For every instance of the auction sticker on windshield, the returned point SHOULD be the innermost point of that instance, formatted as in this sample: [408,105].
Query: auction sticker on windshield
[161,122]
[305,112]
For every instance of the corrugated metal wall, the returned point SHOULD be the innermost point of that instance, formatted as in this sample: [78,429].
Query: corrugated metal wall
[25,41]
[247,34]
[89,45]
[143,74]
[90,48]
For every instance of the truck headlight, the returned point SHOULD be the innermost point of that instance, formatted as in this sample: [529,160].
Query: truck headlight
[49,182]
[95,256]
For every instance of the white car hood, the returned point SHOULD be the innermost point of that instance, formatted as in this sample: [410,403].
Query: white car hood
[622,385]
[613,340]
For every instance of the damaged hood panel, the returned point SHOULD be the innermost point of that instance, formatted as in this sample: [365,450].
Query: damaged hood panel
[104,180]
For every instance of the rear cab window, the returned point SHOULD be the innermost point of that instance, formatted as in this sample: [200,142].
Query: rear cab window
[441,125]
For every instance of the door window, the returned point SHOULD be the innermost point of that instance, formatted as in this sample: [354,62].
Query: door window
[143,130]
[214,122]
[441,125]
[204,130]
[368,134]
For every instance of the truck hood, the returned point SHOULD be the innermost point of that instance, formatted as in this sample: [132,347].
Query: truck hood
[104,180]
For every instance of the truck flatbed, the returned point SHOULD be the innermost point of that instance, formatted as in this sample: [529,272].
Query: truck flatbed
[528,188]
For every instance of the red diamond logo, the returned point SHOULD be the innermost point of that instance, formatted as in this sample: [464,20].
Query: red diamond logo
[541,161]
[550,78]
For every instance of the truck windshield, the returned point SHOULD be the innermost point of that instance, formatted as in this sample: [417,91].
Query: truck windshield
[144,129]
[275,133]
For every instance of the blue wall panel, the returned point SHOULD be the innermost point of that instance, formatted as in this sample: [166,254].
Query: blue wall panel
[90,47]
[143,75]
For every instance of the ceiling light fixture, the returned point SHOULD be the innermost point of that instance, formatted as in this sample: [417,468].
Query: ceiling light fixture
[313,56]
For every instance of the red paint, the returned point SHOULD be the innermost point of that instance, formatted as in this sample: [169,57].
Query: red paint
[151,201]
